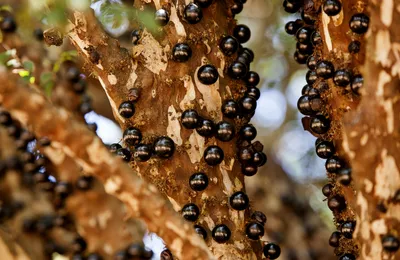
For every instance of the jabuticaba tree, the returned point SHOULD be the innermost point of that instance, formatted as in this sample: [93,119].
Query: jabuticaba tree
[350,103]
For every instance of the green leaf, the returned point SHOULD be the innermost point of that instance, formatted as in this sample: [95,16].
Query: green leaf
[67,55]
[29,66]
[47,82]
[4,57]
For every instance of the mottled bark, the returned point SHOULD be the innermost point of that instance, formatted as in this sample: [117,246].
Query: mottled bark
[372,134]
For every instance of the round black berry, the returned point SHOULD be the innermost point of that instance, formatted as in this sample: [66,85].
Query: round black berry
[327,189]
[337,203]
[237,70]
[242,33]
[252,79]
[230,108]
[190,212]
[325,69]
[161,17]
[126,109]
[246,155]
[213,155]
[142,152]
[132,136]
[334,239]
[390,243]
[316,38]
[342,77]
[239,200]
[254,230]
[271,251]
[190,119]
[347,229]
[181,52]
[225,131]
[206,127]
[300,58]
[63,189]
[253,92]
[221,233]
[308,17]
[164,147]
[203,3]
[114,147]
[207,74]
[347,257]
[135,35]
[293,26]
[248,105]
[198,181]
[236,8]
[192,13]
[354,47]
[228,45]
[291,6]
[79,245]
[124,154]
[357,83]
[8,24]
[247,53]
[320,124]
[259,217]
[73,74]
[38,34]
[344,176]
[249,169]
[303,35]
[333,164]
[332,7]
[259,159]
[200,231]
[325,149]
[312,62]
[311,77]
[359,23]
[248,132]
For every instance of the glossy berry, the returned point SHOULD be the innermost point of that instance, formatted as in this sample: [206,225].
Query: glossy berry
[347,229]
[8,24]
[320,124]
[132,136]
[311,77]
[192,13]
[253,92]
[347,257]
[316,38]
[327,189]
[161,17]
[342,77]
[259,159]
[303,35]
[291,6]
[230,108]
[181,52]
[79,245]
[247,53]
[325,149]
[213,155]
[359,23]
[259,217]
[357,83]
[252,79]
[312,62]
[228,45]
[190,119]
[239,200]
[190,212]
[242,33]
[164,147]
[124,154]
[142,152]
[337,203]
[344,176]
[198,181]
[200,231]
[206,128]
[308,17]
[333,164]
[332,7]
[84,183]
[114,147]
[271,251]
[325,69]
[390,243]
[248,105]
[221,233]
[207,74]
[354,47]
[126,109]
[63,189]
[237,70]
[225,131]
[135,36]
[203,3]
[293,26]
[249,169]
[248,132]
[38,34]
[300,58]
[236,8]
[254,230]
[334,239]
[246,155]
